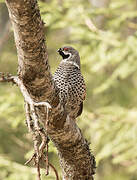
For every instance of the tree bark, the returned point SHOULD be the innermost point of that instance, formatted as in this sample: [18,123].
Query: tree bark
[75,158]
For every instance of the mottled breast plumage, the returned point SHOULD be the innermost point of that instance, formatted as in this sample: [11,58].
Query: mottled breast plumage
[70,83]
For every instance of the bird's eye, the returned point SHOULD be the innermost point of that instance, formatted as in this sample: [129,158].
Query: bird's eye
[65,49]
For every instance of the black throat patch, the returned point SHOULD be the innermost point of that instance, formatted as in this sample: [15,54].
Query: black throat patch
[64,56]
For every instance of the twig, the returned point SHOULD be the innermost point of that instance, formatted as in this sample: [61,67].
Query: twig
[50,165]
[44,140]
[33,124]
[55,171]
[7,77]
[38,148]
[47,160]
[38,171]
[28,117]
[30,159]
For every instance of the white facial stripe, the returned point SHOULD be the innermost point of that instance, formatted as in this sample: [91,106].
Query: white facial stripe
[73,63]
[66,53]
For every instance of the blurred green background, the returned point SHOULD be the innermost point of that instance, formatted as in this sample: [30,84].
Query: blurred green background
[109,65]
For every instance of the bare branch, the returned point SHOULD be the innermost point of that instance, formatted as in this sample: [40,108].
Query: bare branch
[7,78]
[54,169]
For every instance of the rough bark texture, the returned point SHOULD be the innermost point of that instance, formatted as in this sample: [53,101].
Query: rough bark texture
[75,158]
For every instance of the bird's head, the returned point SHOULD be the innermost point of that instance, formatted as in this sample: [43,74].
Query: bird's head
[69,54]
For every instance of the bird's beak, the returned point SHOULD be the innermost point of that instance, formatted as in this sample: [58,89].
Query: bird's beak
[59,50]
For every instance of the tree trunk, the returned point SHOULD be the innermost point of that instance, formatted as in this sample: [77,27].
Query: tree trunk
[75,158]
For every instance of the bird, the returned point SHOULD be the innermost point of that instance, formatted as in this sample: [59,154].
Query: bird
[70,82]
